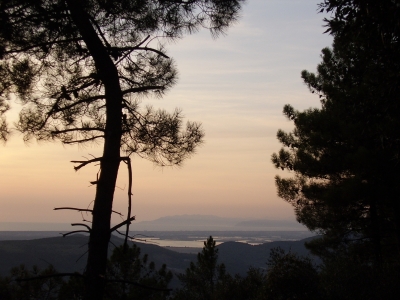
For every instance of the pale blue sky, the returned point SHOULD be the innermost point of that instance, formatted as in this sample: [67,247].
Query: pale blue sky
[236,86]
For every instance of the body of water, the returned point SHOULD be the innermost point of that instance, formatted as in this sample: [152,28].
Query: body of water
[192,239]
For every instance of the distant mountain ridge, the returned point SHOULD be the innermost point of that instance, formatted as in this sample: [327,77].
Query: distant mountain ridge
[210,222]
[176,223]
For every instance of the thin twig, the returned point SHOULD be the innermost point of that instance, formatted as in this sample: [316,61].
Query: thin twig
[127,160]
[124,234]
[82,256]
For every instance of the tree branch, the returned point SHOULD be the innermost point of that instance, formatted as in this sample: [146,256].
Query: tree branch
[130,51]
[127,160]
[83,101]
[143,89]
[73,208]
[127,221]
[99,30]
[85,162]
[83,209]
[77,129]
[83,140]
[75,231]
[122,49]
[81,224]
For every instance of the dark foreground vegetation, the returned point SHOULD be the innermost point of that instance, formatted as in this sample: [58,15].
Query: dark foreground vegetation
[285,275]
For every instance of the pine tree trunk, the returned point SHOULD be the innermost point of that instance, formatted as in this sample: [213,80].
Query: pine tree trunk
[100,232]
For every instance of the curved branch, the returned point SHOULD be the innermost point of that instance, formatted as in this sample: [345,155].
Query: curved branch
[127,221]
[75,231]
[81,224]
[85,162]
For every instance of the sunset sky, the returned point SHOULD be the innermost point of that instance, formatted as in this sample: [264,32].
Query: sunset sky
[236,86]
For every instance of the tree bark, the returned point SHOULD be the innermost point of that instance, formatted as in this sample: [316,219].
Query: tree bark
[100,233]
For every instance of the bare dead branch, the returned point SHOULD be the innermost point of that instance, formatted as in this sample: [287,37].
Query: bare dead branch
[81,224]
[84,163]
[124,234]
[82,209]
[127,160]
[75,231]
[82,255]
[123,223]
[73,208]
[123,49]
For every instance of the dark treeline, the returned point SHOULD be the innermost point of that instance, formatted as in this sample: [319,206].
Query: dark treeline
[131,276]
[286,276]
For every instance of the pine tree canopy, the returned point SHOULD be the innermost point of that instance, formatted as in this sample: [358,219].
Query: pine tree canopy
[345,155]
[54,68]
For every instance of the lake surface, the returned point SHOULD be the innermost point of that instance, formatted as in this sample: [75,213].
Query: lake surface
[192,239]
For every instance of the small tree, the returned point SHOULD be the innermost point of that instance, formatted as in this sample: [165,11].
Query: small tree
[291,277]
[130,276]
[202,278]
[18,286]
[135,277]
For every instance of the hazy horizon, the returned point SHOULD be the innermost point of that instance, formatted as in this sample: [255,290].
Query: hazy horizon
[173,223]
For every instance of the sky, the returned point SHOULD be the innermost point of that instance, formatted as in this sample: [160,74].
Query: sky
[235,85]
